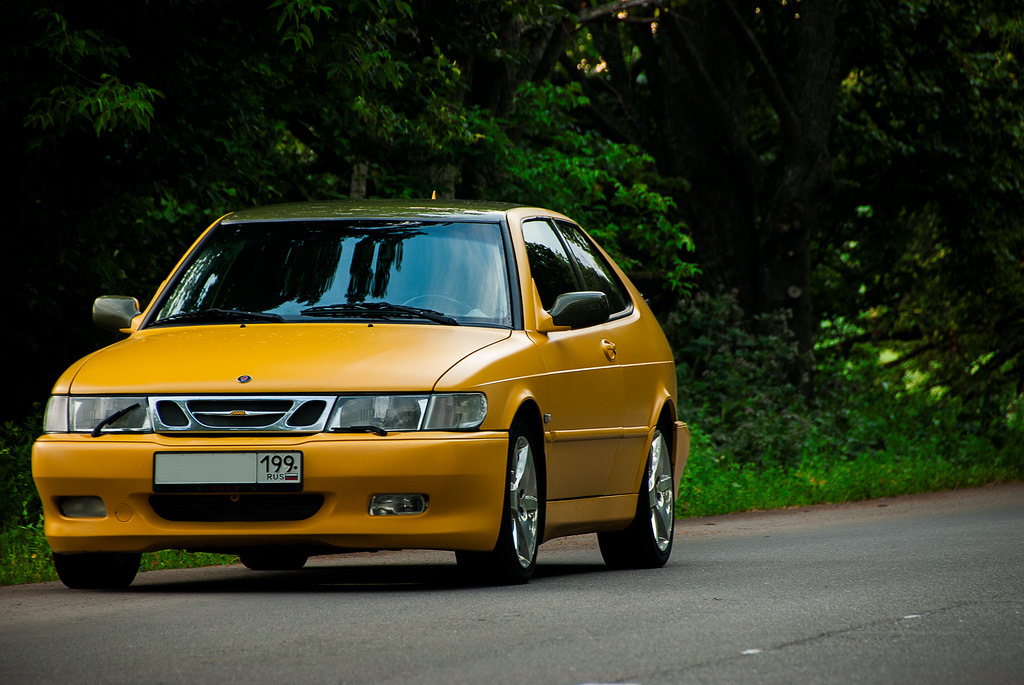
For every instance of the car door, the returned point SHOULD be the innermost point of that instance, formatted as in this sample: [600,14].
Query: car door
[586,383]
[637,356]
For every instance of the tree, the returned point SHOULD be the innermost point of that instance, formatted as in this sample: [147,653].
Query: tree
[735,101]
[927,255]
[135,125]
[872,150]
[869,153]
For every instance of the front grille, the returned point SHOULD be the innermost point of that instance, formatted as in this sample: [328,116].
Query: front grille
[224,508]
[238,413]
[241,413]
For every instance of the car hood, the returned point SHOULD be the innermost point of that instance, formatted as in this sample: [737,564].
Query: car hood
[294,358]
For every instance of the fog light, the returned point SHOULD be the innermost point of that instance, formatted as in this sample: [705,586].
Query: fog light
[82,507]
[398,505]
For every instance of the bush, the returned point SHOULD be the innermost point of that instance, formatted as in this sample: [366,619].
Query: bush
[871,431]
[734,379]
[19,503]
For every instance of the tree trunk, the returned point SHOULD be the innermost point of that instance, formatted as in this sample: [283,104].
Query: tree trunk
[712,71]
[357,185]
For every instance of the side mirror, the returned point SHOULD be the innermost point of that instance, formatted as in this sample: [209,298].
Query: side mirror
[581,309]
[114,312]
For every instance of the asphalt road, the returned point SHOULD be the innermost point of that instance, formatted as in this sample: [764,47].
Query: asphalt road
[922,589]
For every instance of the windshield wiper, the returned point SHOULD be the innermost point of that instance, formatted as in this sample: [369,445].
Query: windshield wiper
[98,430]
[220,315]
[376,430]
[382,310]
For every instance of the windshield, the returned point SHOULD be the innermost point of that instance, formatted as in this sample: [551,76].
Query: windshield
[331,270]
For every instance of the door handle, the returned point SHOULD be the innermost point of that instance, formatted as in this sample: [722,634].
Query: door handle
[609,349]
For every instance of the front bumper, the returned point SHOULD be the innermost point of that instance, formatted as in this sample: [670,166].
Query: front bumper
[463,474]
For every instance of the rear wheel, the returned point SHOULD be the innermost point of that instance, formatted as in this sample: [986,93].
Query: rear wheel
[514,557]
[647,542]
[97,570]
[274,559]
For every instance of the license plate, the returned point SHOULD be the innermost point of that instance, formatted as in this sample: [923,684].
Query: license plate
[227,471]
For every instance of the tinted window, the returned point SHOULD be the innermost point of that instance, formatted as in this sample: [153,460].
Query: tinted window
[596,273]
[549,263]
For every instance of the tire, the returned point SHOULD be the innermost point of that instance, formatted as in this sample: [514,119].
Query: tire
[647,541]
[97,570]
[514,557]
[274,559]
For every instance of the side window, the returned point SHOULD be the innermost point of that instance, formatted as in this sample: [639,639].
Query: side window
[549,263]
[596,273]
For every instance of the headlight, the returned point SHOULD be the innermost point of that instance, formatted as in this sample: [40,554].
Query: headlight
[84,414]
[453,411]
[456,411]
[388,412]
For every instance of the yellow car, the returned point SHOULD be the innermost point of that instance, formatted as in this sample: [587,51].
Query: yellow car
[327,377]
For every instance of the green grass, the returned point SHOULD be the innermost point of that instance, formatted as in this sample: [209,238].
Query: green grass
[25,557]
[713,485]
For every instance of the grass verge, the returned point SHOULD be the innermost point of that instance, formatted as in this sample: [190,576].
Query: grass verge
[712,484]
[25,557]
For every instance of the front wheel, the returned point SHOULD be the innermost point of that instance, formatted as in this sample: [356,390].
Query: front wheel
[647,542]
[97,570]
[514,556]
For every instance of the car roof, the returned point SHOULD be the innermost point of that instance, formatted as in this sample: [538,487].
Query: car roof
[447,210]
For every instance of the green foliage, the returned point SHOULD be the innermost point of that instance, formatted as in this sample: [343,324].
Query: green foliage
[734,379]
[291,22]
[926,252]
[106,104]
[735,385]
[872,431]
[175,558]
[609,187]
[869,446]
[19,503]
[142,124]
[88,95]
[713,484]
[25,556]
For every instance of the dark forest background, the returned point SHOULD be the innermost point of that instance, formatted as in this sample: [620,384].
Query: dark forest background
[822,199]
